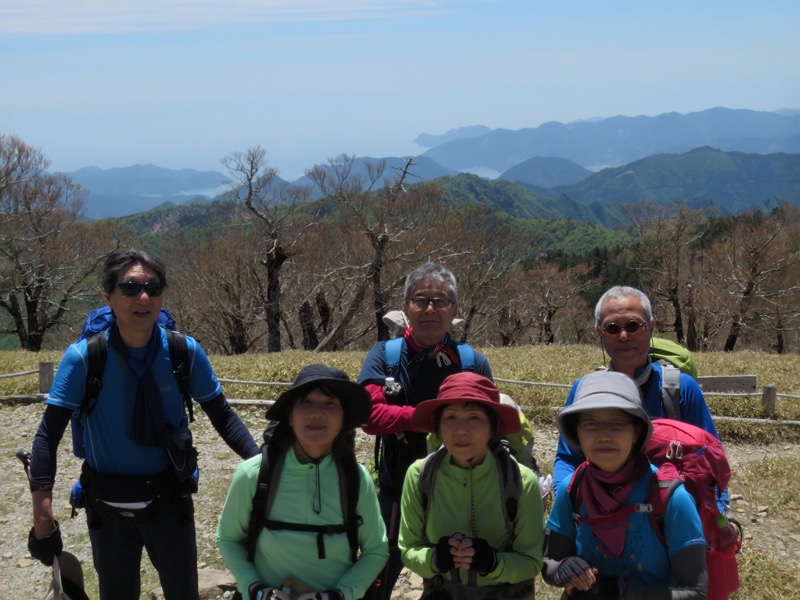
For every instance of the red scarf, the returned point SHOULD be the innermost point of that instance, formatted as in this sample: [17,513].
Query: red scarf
[605,494]
[442,351]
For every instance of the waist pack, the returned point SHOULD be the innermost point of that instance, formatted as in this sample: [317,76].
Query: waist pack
[126,498]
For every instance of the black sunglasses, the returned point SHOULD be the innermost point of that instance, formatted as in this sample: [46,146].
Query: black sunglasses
[629,327]
[134,288]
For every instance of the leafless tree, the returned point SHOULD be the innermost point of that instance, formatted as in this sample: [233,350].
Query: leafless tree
[275,204]
[47,255]
[666,235]
[218,287]
[398,220]
[752,267]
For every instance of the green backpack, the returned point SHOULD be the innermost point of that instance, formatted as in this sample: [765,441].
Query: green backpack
[662,349]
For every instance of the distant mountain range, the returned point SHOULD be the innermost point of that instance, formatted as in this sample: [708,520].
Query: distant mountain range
[734,159]
[617,141]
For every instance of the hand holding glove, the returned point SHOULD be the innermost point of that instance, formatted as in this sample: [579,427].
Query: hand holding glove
[45,549]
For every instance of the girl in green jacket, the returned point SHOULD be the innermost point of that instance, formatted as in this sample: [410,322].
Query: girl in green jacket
[466,534]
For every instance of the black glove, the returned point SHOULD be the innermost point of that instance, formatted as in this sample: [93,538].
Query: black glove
[485,559]
[569,568]
[605,588]
[47,548]
[442,555]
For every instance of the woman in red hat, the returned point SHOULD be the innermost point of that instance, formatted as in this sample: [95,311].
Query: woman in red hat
[461,529]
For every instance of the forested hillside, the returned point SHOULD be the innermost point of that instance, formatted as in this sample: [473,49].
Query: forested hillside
[272,270]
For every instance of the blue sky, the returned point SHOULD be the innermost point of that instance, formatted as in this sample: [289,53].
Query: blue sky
[183,83]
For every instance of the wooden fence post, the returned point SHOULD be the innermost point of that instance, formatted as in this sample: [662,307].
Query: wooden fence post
[768,397]
[45,376]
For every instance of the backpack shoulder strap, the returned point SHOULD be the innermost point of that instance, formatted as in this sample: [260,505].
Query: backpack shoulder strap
[573,488]
[510,488]
[97,352]
[466,354]
[427,480]
[392,351]
[272,460]
[181,368]
[349,485]
[664,484]
[671,390]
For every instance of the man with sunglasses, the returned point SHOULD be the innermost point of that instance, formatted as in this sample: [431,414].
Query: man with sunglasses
[428,354]
[136,494]
[624,321]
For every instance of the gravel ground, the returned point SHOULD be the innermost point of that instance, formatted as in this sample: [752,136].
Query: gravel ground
[20,576]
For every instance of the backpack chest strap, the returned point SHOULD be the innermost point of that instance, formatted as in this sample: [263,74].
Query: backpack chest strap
[320,530]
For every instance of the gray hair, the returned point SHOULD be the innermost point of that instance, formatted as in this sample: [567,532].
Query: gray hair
[433,272]
[623,291]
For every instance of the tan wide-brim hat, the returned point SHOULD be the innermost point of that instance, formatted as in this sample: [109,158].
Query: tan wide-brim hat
[599,390]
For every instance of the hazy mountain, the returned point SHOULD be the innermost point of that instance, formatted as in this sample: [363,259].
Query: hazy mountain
[553,159]
[429,140]
[619,140]
[733,181]
[128,190]
[546,172]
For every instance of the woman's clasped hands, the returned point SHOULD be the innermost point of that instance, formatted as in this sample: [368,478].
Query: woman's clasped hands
[460,552]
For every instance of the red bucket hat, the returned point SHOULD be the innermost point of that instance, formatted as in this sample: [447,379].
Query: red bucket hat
[461,388]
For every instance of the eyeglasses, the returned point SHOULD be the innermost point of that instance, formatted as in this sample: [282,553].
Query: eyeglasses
[438,302]
[598,426]
[134,288]
[629,327]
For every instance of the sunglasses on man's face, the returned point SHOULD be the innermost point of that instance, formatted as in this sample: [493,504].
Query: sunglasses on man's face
[629,327]
[134,288]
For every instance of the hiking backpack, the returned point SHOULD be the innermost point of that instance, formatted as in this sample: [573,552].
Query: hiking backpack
[102,318]
[94,328]
[664,351]
[510,485]
[689,456]
[269,476]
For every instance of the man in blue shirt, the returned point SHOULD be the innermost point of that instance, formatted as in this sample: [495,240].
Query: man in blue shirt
[624,320]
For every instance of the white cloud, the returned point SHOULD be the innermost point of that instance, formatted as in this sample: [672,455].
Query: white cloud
[47,17]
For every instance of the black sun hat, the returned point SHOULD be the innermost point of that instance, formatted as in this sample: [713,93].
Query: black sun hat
[355,400]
